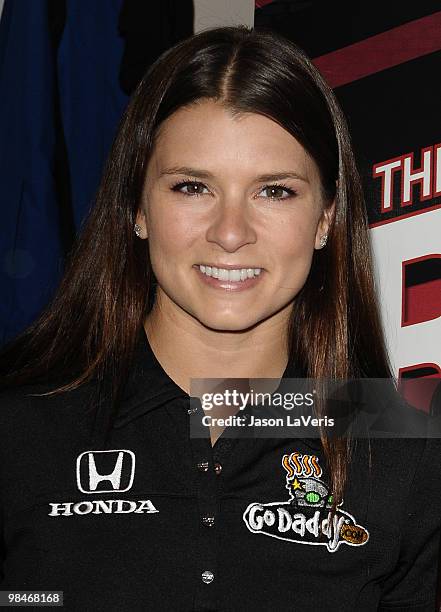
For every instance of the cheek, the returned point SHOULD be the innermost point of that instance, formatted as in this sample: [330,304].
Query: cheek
[170,233]
[294,249]
[295,238]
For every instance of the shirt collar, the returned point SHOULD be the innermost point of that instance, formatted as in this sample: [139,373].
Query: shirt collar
[149,386]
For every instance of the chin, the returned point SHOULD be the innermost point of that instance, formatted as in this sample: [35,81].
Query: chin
[228,324]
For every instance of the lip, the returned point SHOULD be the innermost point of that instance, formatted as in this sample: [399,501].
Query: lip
[227,266]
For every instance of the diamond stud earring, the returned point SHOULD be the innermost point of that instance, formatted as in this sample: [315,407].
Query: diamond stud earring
[137,229]
[323,240]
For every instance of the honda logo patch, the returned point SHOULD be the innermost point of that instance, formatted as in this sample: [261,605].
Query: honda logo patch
[105,471]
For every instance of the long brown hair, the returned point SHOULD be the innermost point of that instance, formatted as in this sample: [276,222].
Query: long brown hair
[88,331]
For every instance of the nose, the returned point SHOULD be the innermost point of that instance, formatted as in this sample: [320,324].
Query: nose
[231,227]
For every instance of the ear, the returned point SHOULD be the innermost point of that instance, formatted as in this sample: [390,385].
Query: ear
[141,221]
[324,224]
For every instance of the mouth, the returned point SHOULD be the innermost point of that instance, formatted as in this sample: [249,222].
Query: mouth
[229,277]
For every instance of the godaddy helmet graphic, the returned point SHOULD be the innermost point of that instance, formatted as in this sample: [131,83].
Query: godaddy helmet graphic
[309,492]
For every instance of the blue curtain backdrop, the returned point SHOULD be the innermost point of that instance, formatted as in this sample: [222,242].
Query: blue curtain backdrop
[91,98]
[60,102]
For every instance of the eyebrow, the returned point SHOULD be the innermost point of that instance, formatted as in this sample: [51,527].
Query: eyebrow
[199,173]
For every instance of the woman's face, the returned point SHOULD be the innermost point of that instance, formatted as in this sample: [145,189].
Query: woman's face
[230,193]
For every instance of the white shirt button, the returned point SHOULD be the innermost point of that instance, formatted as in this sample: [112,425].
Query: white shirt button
[208,521]
[207,576]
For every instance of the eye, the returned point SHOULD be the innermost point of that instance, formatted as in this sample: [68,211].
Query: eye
[275,192]
[193,188]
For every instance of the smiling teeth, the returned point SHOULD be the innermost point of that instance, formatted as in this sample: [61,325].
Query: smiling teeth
[240,274]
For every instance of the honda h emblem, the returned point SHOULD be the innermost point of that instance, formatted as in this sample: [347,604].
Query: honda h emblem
[105,471]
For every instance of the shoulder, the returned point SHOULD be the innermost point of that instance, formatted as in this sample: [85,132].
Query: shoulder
[399,455]
[16,401]
[398,470]
[409,470]
[418,521]
[30,406]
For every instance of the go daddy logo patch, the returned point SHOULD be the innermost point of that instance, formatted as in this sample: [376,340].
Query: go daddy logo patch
[305,518]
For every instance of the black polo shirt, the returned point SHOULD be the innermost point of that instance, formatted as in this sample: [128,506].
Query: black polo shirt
[159,520]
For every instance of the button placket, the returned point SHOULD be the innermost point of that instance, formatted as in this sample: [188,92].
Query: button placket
[207,493]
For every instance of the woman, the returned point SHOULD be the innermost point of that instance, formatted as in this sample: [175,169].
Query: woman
[229,240]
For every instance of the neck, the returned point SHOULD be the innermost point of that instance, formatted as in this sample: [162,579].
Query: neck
[187,349]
